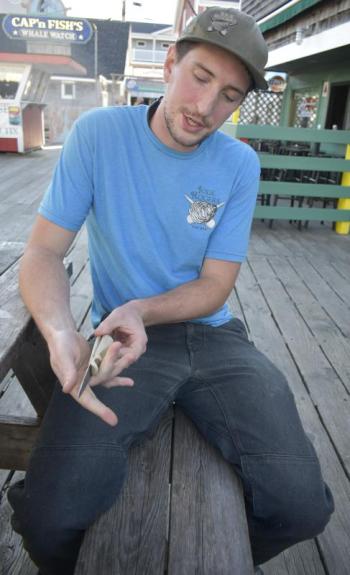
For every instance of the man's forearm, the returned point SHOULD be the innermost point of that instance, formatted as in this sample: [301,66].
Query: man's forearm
[195,299]
[44,287]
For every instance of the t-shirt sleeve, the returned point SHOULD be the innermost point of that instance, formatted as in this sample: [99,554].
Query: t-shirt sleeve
[68,198]
[229,241]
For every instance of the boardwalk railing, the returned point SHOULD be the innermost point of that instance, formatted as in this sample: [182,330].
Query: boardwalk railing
[299,178]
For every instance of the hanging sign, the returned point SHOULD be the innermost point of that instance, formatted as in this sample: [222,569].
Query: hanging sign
[20,27]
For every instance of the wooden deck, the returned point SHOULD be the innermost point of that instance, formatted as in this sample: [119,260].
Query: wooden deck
[294,295]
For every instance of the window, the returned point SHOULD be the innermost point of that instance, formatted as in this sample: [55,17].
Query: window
[165,45]
[68,90]
[9,82]
[140,43]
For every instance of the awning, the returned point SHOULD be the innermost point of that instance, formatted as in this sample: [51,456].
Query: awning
[284,14]
[50,63]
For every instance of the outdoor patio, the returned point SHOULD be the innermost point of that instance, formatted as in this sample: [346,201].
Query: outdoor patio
[293,294]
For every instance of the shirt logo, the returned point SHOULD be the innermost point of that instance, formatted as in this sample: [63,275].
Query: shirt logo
[202,212]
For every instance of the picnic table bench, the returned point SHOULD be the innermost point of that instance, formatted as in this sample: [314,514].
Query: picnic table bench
[181,511]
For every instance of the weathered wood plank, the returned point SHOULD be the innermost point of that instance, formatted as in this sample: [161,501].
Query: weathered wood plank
[300,559]
[208,531]
[9,253]
[314,242]
[17,436]
[13,314]
[342,267]
[326,390]
[265,331]
[131,539]
[81,293]
[333,305]
[31,365]
[14,560]
[327,334]
[261,245]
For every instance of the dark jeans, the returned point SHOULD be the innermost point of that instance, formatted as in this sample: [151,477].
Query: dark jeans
[238,400]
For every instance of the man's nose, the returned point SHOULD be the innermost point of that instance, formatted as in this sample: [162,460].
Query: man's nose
[206,103]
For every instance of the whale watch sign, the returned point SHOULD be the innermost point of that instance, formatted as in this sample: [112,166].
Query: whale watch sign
[19,27]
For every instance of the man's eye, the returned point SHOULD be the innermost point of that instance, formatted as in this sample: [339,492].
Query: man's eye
[200,79]
[231,99]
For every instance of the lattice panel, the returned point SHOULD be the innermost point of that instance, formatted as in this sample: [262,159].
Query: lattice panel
[261,108]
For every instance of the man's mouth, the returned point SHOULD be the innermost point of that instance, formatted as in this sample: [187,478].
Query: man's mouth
[194,123]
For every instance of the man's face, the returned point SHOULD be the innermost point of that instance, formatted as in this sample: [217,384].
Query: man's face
[203,90]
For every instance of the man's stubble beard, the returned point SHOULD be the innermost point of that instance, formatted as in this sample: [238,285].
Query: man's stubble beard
[170,124]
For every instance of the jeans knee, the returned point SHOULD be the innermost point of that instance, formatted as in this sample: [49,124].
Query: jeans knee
[305,518]
[290,497]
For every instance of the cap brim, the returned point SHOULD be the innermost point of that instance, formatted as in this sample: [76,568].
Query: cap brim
[259,80]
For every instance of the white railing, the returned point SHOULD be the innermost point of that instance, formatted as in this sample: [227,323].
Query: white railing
[153,56]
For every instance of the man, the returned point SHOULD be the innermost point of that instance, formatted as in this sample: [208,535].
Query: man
[168,202]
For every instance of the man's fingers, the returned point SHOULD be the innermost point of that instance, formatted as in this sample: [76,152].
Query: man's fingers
[89,401]
[69,381]
[106,326]
[119,381]
[112,365]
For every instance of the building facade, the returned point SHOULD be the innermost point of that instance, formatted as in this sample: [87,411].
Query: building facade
[310,41]
[147,50]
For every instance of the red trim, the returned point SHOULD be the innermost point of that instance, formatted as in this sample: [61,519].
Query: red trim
[50,59]
[8,145]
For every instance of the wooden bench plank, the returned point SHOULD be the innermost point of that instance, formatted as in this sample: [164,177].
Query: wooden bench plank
[131,538]
[301,214]
[14,560]
[307,190]
[208,530]
[17,436]
[284,133]
[304,163]
[14,317]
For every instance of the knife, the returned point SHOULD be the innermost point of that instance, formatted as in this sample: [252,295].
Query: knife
[88,372]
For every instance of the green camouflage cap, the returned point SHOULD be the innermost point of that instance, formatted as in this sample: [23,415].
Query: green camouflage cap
[234,31]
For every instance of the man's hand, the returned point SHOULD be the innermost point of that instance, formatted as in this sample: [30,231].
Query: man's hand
[70,354]
[125,325]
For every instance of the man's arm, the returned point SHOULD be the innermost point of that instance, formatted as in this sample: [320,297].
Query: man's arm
[43,281]
[44,287]
[198,298]
[194,299]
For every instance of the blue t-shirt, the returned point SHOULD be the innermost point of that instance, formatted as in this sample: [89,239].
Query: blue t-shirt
[153,214]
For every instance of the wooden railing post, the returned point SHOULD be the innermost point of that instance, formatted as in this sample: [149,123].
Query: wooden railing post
[344,203]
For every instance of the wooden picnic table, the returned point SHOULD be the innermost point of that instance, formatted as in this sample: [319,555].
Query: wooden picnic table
[293,294]
[182,506]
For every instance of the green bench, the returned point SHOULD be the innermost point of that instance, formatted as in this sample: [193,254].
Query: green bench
[277,188]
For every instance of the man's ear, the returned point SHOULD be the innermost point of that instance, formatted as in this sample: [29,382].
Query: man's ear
[169,63]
